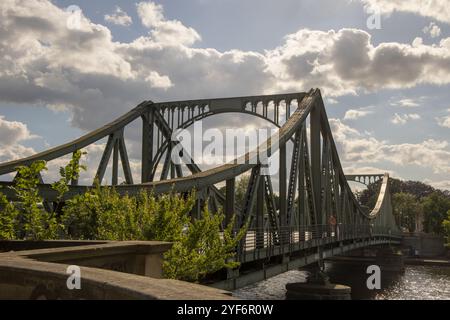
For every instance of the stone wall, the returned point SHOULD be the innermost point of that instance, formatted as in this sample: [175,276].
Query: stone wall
[426,245]
[109,270]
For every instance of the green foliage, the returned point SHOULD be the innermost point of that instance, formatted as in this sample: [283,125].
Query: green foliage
[202,249]
[101,213]
[434,203]
[170,217]
[435,207]
[241,190]
[34,223]
[406,209]
[446,227]
[69,173]
[8,219]
[419,190]
[199,249]
[26,219]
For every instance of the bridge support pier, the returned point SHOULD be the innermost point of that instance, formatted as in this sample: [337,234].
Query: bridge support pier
[232,273]
[390,260]
[317,287]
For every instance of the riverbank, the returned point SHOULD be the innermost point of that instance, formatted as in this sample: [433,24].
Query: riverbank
[413,261]
[438,262]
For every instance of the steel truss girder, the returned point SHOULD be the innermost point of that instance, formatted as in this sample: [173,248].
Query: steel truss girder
[337,195]
[115,145]
[365,179]
[271,207]
[309,181]
[293,175]
[147,146]
[325,182]
[250,195]
[166,130]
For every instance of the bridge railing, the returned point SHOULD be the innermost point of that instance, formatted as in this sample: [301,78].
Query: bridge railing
[313,235]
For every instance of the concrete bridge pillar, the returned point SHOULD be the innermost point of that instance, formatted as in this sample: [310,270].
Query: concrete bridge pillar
[317,287]
[390,260]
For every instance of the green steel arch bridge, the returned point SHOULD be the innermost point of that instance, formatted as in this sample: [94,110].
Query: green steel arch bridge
[318,215]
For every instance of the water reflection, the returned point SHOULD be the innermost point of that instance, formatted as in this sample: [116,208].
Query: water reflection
[355,276]
[418,282]
[271,289]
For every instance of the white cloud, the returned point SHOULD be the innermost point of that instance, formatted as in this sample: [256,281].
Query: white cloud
[404,118]
[165,31]
[433,30]
[345,62]
[407,103]
[367,170]
[436,9]
[354,114]
[119,17]
[444,121]
[157,81]
[14,152]
[442,184]
[357,148]
[151,14]
[97,79]
[331,101]
[12,132]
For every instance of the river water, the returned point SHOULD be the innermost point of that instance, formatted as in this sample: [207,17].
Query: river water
[417,283]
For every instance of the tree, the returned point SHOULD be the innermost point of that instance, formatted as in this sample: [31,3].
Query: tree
[435,208]
[406,209]
[241,190]
[446,227]
[368,197]
[435,203]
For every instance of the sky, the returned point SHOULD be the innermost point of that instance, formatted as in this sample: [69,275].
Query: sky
[386,85]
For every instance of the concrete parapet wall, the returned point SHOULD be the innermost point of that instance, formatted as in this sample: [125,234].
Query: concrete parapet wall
[41,274]
[22,245]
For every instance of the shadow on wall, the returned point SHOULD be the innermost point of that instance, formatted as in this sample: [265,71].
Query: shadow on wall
[108,270]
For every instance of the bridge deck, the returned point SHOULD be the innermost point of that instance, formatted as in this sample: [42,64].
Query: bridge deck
[298,254]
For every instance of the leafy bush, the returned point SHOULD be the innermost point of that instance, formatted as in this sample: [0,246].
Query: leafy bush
[33,222]
[8,219]
[198,250]
[202,250]
[101,213]
[69,173]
